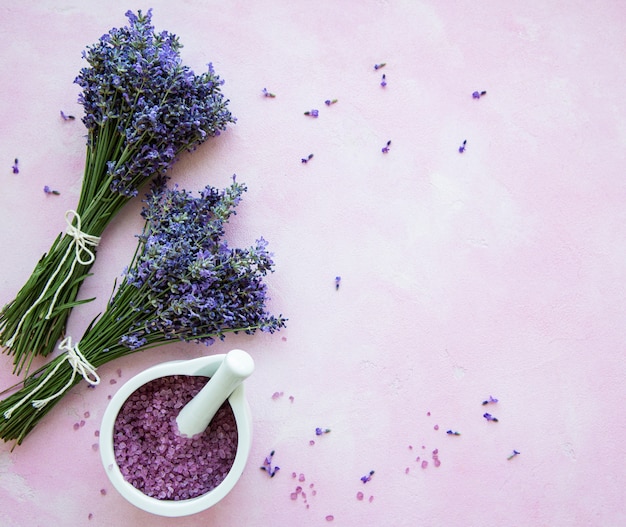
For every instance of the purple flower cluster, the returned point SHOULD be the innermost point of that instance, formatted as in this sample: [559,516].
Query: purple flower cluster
[138,95]
[192,285]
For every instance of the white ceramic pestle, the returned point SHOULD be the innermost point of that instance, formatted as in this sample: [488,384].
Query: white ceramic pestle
[197,414]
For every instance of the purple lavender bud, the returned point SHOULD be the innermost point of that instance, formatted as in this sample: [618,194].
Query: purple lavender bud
[381,65]
[47,190]
[490,400]
[312,113]
[383,82]
[15,168]
[268,94]
[367,477]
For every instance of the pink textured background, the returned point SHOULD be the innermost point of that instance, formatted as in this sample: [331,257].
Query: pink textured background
[499,271]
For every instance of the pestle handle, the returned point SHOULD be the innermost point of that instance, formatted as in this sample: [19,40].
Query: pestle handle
[197,414]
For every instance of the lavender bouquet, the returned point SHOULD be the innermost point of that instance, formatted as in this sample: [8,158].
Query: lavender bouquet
[142,108]
[184,282]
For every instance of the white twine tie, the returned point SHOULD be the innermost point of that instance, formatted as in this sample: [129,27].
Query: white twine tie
[80,365]
[83,255]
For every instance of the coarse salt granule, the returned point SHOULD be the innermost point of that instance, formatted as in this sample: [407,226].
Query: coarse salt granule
[155,458]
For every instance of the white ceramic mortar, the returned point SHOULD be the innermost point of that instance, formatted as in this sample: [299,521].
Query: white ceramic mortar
[203,366]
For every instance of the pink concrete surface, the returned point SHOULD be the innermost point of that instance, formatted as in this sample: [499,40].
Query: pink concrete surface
[500,271]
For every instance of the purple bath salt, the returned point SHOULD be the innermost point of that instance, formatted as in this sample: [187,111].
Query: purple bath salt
[155,458]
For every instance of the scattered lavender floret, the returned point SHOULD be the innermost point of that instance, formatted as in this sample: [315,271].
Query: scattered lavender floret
[305,160]
[337,282]
[515,453]
[453,433]
[267,465]
[312,113]
[367,477]
[490,417]
[268,94]
[159,461]
[490,400]
[66,117]
[15,168]
[47,190]
[478,95]
[380,65]
[385,149]
[462,147]
[328,102]
[320,431]
[383,81]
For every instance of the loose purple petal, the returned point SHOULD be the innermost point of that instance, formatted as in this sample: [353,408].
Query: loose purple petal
[268,94]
